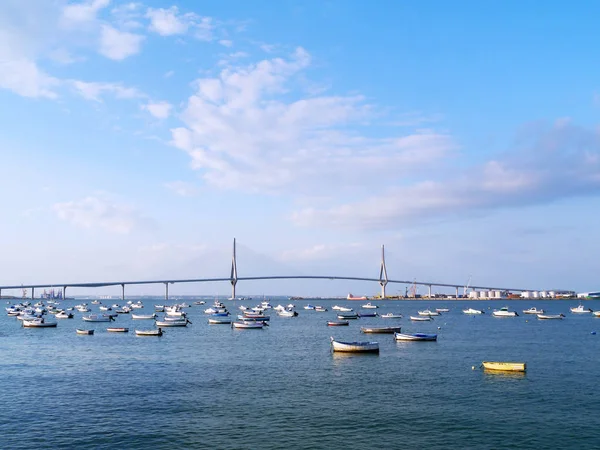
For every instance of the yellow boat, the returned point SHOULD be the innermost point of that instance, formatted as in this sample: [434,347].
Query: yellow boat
[504,366]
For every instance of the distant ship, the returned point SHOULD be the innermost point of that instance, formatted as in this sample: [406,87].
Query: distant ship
[352,297]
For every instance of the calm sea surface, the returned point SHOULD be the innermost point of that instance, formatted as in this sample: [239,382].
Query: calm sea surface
[210,386]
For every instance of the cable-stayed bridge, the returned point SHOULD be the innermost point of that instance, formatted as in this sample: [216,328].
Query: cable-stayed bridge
[233,278]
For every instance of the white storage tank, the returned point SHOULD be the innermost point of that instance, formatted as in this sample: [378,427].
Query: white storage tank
[525,294]
[544,294]
[473,294]
[535,294]
[497,294]
[483,294]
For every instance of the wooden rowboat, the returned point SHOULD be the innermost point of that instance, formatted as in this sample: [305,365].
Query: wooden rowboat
[550,316]
[149,332]
[338,323]
[354,347]
[415,337]
[380,330]
[88,332]
[504,366]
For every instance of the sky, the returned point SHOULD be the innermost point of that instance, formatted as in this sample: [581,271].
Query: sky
[138,139]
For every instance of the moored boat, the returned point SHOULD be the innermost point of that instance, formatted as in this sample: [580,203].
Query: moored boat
[117,330]
[347,316]
[504,312]
[415,337]
[473,311]
[64,315]
[38,323]
[580,310]
[428,312]
[320,309]
[421,319]
[380,330]
[369,306]
[98,318]
[338,323]
[157,332]
[505,366]
[367,314]
[143,316]
[219,320]
[248,325]
[354,347]
[88,332]
[442,310]
[172,323]
[533,310]
[391,316]
[550,316]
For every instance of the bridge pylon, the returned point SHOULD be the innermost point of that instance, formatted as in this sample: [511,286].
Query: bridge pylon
[383,277]
[233,277]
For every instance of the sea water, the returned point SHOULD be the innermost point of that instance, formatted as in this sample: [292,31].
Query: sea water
[211,386]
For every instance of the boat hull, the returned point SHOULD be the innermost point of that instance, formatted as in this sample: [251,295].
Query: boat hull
[504,366]
[354,347]
[341,323]
[380,330]
[415,337]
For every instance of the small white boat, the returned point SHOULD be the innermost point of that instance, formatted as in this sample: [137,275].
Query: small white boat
[345,309]
[219,320]
[354,347]
[504,312]
[158,332]
[98,318]
[336,307]
[596,313]
[391,316]
[248,325]
[428,312]
[533,310]
[88,332]
[421,319]
[380,330]
[580,310]
[143,316]
[369,306]
[550,316]
[415,337]
[285,313]
[442,310]
[64,315]
[473,311]
[38,323]
[172,323]
[320,309]
[118,330]
[309,307]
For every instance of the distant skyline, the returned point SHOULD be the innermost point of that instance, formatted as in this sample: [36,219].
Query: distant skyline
[140,138]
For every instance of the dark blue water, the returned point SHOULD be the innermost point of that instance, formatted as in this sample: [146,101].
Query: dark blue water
[209,386]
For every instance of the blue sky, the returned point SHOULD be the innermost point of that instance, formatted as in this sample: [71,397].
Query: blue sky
[139,138]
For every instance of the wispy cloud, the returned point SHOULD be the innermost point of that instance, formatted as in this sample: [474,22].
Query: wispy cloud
[182,188]
[241,133]
[160,110]
[99,211]
[550,162]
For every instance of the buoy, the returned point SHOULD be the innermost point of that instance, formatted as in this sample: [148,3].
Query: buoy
[439,328]
[472,367]
[593,332]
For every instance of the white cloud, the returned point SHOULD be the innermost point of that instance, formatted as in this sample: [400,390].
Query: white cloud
[25,78]
[80,13]
[95,90]
[118,45]
[168,22]
[241,134]
[160,110]
[559,162]
[99,212]
[182,188]
[226,42]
